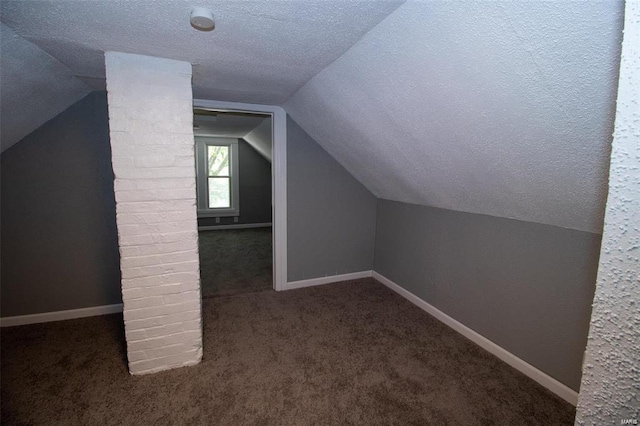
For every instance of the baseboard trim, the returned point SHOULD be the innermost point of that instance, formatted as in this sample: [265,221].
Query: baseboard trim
[327,280]
[60,315]
[529,370]
[236,226]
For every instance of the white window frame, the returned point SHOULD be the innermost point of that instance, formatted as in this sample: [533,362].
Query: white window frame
[202,180]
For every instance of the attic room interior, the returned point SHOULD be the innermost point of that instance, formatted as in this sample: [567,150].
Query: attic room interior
[433,206]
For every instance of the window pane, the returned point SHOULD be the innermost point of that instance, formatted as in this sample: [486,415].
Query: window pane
[218,157]
[219,194]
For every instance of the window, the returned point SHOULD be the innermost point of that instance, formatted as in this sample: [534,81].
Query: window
[217,176]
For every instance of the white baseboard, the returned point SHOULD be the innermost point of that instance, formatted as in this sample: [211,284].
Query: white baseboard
[60,315]
[544,379]
[327,280]
[235,226]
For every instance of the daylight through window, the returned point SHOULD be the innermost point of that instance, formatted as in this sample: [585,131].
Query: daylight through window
[217,181]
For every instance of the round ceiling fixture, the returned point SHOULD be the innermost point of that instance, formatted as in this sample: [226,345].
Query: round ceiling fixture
[202,19]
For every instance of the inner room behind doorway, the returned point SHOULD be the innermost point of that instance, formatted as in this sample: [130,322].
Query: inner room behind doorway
[234,197]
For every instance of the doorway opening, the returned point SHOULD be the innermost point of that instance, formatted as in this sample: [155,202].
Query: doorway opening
[241,197]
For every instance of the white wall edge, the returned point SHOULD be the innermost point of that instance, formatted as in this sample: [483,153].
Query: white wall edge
[60,315]
[327,280]
[237,226]
[529,370]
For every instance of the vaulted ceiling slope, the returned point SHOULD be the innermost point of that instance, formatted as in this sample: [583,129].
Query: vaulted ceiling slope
[260,139]
[34,87]
[499,108]
[253,128]
[260,51]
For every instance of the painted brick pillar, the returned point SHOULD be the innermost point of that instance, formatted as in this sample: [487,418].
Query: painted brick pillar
[152,150]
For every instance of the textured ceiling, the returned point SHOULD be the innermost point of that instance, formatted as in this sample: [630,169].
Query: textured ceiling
[34,87]
[260,51]
[500,108]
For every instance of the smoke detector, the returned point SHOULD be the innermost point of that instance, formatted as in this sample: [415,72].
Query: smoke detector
[202,19]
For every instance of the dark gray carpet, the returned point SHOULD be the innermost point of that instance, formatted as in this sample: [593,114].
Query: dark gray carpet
[346,353]
[234,261]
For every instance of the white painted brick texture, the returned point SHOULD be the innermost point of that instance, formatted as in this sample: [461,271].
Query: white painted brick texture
[150,124]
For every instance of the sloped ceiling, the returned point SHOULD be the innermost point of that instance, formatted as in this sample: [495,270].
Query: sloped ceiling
[260,51]
[261,140]
[34,87]
[255,129]
[500,108]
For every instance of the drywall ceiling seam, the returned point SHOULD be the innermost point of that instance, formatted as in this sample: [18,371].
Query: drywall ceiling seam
[342,54]
[30,40]
[37,108]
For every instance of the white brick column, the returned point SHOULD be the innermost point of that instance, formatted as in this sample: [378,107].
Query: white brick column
[152,150]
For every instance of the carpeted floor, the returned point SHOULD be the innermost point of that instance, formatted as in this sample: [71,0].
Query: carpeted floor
[346,353]
[234,261]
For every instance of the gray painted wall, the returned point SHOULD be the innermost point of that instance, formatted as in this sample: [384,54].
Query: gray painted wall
[331,216]
[59,241]
[254,188]
[527,287]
